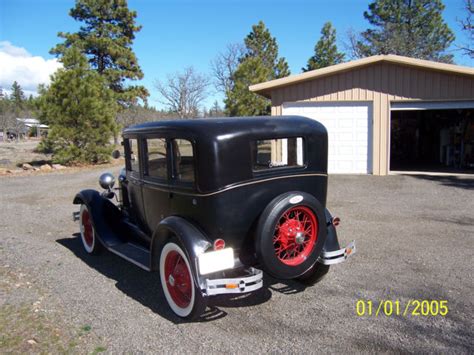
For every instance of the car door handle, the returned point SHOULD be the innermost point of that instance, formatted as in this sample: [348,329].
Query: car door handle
[170,195]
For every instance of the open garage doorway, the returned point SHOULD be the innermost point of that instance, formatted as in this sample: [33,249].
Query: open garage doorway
[432,139]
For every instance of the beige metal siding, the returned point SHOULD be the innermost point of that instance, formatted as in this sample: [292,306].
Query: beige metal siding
[380,83]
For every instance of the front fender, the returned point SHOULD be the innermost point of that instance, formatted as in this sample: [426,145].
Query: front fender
[88,197]
[104,215]
[191,238]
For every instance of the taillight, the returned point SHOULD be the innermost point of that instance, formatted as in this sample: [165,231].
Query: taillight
[336,221]
[219,244]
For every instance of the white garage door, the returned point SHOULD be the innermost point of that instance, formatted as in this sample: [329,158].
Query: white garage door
[349,126]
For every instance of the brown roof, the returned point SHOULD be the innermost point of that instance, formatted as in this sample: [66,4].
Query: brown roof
[265,88]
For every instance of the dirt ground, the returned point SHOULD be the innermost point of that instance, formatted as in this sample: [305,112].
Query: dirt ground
[414,236]
[12,154]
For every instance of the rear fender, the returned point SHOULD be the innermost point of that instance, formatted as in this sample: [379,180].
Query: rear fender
[331,243]
[191,238]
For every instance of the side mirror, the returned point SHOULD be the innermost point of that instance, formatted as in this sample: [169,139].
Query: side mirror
[107,181]
[116,154]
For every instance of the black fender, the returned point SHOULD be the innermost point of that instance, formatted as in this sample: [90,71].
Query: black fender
[194,241]
[88,197]
[104,214]
[331,243]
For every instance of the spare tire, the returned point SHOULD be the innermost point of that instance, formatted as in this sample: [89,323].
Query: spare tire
[291,232]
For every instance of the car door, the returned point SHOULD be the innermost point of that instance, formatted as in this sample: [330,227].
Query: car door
[134,166]
[156,177]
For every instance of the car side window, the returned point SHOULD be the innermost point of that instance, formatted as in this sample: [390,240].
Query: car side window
[277,153]
[157,158]
[183,159]
[133,155]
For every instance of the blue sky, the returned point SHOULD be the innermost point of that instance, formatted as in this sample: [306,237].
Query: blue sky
[182,33]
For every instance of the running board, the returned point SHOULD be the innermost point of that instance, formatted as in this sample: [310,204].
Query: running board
[134,253]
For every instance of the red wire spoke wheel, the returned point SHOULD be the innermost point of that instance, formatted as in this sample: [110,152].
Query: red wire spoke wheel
[88,231]
[295,235]
[88,236]
[178,279]
[290,234]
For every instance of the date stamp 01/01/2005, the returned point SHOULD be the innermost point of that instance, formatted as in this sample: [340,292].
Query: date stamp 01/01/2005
[412,308]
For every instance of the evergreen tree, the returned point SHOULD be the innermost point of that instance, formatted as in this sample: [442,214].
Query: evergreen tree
[215,110]
[80,110]
[325,50]
[412,28]
[260,63]
[260,43]
[17,97]
[241,101]
[106,38]
[6,114]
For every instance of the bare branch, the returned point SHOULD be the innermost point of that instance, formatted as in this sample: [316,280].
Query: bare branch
[467,25]
[183,92]
[224,66]
[351,44]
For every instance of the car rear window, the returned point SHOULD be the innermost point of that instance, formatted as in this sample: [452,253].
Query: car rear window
[156,158]
[277,153]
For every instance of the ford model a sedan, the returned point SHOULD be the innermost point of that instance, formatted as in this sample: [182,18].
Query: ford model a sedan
[210,203]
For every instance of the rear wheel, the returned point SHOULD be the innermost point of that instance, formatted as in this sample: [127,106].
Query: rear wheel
[314,275]
[177,280]
[88,235]
[290,234]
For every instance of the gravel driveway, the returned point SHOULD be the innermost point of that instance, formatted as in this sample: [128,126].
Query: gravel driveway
[414,237]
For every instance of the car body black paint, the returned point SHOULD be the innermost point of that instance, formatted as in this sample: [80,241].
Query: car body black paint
[227,196]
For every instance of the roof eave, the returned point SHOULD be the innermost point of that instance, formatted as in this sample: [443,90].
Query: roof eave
[265,88]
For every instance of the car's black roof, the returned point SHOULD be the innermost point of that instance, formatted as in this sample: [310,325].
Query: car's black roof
[225,125]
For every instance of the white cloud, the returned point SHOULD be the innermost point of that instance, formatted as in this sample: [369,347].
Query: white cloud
[29,71]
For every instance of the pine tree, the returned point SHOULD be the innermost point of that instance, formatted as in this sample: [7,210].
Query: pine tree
[17,97]
[6,114]
[215,110]
[80,110]
[325,50]
[241,101]
[260,43]
[413,28]
[260,63]
[106,38]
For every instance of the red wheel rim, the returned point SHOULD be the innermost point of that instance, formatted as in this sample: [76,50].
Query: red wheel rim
[87,228]
[178,279]
[296,233]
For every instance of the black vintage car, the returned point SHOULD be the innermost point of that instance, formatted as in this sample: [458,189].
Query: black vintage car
[210,203]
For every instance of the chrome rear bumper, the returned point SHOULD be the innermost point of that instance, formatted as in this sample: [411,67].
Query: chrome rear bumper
[247,283]
[337,256]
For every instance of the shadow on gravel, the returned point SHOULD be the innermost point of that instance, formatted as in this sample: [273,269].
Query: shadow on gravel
[145,287]
[452,181]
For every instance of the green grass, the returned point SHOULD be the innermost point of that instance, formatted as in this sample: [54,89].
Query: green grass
[26,330]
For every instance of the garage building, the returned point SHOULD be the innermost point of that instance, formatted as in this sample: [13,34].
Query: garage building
[385,113]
